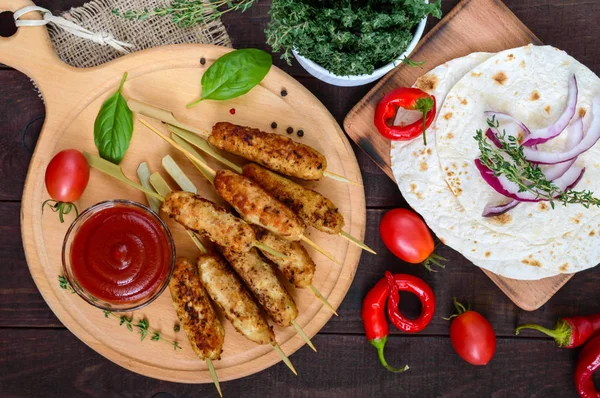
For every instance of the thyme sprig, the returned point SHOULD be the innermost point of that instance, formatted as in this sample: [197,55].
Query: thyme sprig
[187,13]
[143,328]
[510,162]
[64,284]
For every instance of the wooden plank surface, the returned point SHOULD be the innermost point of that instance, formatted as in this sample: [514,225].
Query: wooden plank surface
[40,358]
[522,368]
[472,26]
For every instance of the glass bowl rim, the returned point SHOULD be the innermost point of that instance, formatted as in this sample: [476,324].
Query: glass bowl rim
[81,292]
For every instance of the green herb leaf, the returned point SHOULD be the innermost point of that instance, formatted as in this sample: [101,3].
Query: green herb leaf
[346,37]
[155,336]
[113,127]
[234,74]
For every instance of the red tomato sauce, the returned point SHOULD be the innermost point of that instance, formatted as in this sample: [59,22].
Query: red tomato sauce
[121,255]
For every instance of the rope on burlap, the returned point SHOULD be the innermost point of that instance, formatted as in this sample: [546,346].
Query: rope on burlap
[85,48]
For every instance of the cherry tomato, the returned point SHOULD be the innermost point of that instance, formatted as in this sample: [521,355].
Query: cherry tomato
[66,178]
[472,336]
[67,175]
[406,235]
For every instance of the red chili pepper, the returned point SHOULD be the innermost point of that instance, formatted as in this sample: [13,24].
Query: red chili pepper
[587,364]
[569,332]
[417,287]
[375,322]
[412,99]
[373,310]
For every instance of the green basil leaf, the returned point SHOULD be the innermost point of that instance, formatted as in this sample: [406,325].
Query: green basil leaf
[113,127]
[234,74]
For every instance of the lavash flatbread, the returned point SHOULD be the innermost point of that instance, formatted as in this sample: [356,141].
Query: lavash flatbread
[529,83]
[419,176]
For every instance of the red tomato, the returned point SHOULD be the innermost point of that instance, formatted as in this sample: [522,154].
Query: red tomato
[406,235]
[67,175]
[473,338]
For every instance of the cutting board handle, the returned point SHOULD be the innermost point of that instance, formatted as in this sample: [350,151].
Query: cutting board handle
[31,51]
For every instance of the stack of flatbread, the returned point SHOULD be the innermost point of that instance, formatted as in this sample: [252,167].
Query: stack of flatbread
[441,182]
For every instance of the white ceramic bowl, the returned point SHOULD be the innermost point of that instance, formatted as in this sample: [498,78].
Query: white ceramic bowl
[358,80]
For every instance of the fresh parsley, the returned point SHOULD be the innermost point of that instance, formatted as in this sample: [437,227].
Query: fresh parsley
[510,162]
[346,37]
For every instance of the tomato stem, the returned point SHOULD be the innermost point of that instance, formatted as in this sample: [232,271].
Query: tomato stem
[460,309]
[436,260]
[61,208]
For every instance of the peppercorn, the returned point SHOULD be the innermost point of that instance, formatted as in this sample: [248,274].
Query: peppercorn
[202,61]
[289,130]
[273,125]
[284,92]
[300,133]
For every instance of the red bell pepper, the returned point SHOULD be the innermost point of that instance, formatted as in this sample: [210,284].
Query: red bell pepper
[412,99]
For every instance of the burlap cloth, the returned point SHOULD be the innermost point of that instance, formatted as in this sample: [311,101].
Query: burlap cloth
[97,16]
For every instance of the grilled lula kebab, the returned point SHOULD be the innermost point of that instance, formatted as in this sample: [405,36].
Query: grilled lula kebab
[269,149]
[226,290]
[312,207]
[236,302]
[252,202]
[296,266]
[197,315]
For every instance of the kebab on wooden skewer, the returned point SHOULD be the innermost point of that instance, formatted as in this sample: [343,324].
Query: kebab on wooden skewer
[197,315]
[312,207]
[297,267]
[269,149]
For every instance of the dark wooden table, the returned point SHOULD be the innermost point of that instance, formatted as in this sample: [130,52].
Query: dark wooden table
[40,358]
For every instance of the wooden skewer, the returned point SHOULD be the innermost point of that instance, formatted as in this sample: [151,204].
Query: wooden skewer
[323,299]
[356,242]
[303,335]
[284,358]
[319,249]
[161,186]
[213,374]
[185,138]
[212,173]
[167,116]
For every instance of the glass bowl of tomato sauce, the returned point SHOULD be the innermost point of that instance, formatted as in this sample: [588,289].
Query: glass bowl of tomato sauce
[118,255]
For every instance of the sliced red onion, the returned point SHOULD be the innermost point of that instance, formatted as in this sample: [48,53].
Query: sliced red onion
[493,137]
[588,141]
[506,118]
[540,136]
[496,210]
[555,171]
[511,190]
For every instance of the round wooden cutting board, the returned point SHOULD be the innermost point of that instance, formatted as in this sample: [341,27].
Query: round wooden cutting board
[169,77]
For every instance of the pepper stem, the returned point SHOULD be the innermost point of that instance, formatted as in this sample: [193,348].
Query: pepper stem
[379,344]
[562,332]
